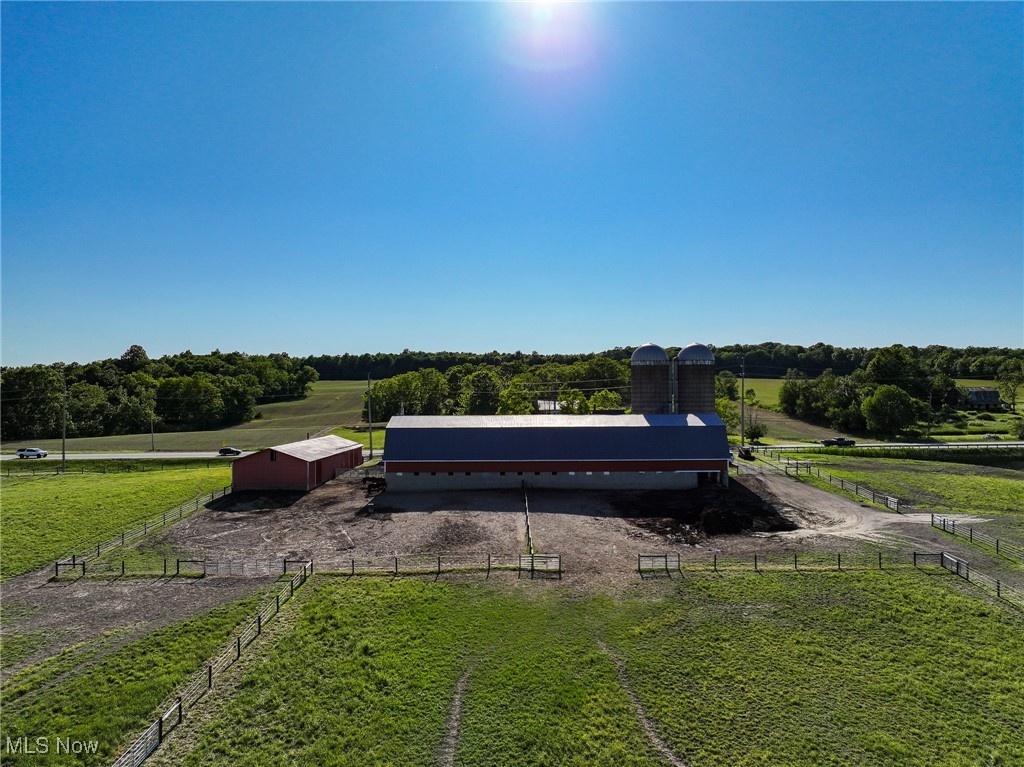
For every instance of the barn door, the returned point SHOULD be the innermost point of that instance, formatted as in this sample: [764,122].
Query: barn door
[318,473]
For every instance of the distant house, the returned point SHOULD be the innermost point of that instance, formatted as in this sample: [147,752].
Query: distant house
[982,398]
[297,465]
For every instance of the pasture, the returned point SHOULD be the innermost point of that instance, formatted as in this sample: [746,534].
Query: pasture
[331,403]
[47,515]
[100,692]
[993,492]
[896,668]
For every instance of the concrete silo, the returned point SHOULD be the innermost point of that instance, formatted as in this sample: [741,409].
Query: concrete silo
[650,391]
[696,375]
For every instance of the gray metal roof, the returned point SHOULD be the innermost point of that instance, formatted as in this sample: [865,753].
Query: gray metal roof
[315,449]
[555,437]
[649,354]
[696,354]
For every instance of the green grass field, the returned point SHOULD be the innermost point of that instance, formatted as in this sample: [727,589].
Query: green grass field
[995,492]
[332,403]
[47,516]
[91,693]
[896,668]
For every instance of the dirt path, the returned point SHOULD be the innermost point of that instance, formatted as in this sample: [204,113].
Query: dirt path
[452,722]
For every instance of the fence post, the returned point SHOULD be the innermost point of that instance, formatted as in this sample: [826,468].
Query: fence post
[165,565]
[879,560]
[755,563]
[238,647]
[715,562]
[839,562]
[177,567]
[56,569]
[259,624]
[353,566]
[997,545]
[396,566]
[160,729]
[277,601]
[970,533]
[145,527]
[998,590]
[179,709]
[122,567]
[439,564]
[638,563]
[915,558]
[488,564]
[97,549]
[122,537]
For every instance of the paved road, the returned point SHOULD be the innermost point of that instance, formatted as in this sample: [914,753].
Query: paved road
[157,456]
[899,445]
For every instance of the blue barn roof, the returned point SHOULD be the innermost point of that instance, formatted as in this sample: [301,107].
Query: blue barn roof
[556,437]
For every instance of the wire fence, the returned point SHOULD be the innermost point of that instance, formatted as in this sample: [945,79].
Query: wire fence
[438,564]
[90,552]
[529,532]
[996,586]
[1003,548]
[649,565]
[202,682]
[88,466]
[788,466]
[670,562]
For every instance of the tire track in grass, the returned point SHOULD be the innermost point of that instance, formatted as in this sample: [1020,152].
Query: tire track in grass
[641,715]
[452,722]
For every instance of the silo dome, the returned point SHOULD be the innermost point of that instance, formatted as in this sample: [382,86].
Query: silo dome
[649,354]
[696,354]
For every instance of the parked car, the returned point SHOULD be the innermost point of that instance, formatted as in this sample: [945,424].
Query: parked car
[229,451]
[838,442]
[31,452]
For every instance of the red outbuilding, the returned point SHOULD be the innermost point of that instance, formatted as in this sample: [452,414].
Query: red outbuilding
[297,465]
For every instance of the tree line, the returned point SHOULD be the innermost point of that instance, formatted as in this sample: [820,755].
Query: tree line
[765,360]
[133,394]
[897,390]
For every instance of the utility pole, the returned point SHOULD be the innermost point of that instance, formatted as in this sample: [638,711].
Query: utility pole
[743,399]
[64,431]
[369,409]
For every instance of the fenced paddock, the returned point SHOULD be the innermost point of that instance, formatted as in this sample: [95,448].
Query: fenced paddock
[416,564]
[92,551]
[1002,547]
[780,464]
[174,714]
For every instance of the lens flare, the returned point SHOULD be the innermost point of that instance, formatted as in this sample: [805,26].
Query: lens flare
[547,36]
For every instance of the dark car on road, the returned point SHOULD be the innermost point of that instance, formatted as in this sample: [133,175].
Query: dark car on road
[838,442]
[229,451]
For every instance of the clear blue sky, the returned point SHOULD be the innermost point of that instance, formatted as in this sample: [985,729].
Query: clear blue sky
[346,177]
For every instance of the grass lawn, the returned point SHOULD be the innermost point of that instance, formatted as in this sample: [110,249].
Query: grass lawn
[331,403]
[91,694]
[362,436]
[995,492]
[895,668]
[47,516]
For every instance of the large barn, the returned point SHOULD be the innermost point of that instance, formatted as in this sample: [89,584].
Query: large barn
[297,465]
[555,451]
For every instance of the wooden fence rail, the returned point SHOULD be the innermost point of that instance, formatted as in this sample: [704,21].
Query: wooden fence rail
[153,735]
